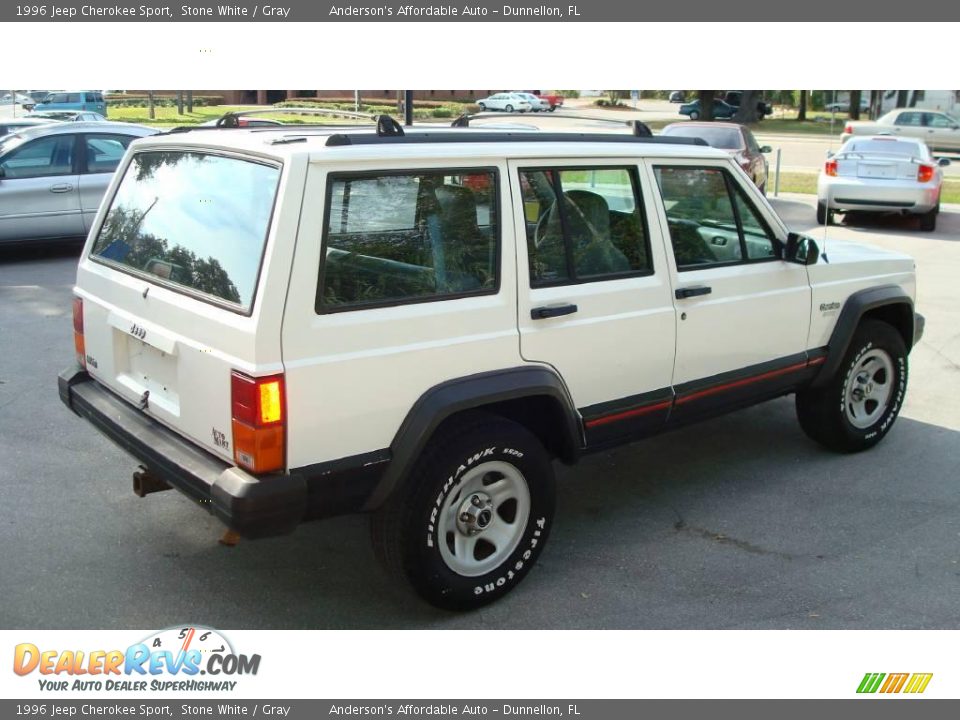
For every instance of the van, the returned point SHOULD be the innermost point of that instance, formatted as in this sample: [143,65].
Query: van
[91,100]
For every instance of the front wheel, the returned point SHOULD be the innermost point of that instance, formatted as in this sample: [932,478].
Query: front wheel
[856,408]
[509,108]
[473,517]
[694,115]
[483,107]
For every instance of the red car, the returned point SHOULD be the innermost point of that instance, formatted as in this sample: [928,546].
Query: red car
[735,139]
[554,100]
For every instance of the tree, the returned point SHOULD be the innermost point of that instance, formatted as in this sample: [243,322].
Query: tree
[750,108]
[150,109]
[854,104]
[802,107]
[706,103]
[179,102]
[189,101]
[902,98]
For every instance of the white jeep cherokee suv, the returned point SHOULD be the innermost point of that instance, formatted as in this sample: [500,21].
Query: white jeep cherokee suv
[290,323]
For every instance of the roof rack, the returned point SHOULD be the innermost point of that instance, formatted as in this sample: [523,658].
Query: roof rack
[637,127]
[386,125]
[341,139]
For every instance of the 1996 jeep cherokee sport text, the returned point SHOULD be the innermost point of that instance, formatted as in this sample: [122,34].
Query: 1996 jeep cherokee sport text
[287,324]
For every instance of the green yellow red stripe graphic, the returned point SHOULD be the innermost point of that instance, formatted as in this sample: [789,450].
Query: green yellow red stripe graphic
[888,683]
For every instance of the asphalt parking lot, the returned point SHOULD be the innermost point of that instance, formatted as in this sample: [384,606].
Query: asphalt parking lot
[740,522]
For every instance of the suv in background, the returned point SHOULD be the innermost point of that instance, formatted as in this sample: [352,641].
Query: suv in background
[290,323]
[74,100]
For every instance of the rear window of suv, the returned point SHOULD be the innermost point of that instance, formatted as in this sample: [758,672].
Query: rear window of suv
[194,221]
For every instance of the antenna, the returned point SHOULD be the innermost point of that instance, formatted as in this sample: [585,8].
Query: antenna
[826,224]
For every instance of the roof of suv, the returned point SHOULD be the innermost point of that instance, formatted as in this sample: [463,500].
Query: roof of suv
[332,143]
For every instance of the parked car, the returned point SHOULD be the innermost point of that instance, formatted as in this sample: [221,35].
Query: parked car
[844,105]
[536,104]
[677,96]
[507,102]
[13,125]
[91,101]
[733,138]
[938,130]
[554,101]
[721,110]
[53,175]
[346,322]
[882,174]
[67,115]
[17,99]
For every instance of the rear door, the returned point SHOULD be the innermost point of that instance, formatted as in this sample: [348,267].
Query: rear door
[942,132]
[594,292]
[183,281]
[99,156]
[39,196]
[742,314]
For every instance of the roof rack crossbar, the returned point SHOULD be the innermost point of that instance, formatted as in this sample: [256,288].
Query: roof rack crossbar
[637,127]
[342,139]
[386,125]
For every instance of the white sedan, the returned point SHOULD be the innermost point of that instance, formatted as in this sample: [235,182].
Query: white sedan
[536,104]
[507,102]
[882,174]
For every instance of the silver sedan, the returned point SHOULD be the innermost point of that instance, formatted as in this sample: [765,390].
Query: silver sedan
[53,176]
[882,174]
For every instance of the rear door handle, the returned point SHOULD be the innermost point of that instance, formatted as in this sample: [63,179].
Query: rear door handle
[551,311]
[692,292]
[61,188]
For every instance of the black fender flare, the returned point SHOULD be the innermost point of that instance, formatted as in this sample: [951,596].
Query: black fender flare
[472,392]
[855,307]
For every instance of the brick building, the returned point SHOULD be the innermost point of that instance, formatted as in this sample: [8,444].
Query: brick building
[268,97]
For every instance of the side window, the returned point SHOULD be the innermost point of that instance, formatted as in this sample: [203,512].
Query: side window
[710,219]
[73,98]
[395,238]
[52,155]
[104,152]
[583,224]
[938,121]
[914,119]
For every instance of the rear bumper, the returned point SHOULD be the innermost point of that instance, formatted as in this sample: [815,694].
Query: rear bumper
[254,507]
[878,195]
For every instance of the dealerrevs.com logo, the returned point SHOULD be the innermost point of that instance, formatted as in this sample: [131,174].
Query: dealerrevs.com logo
[910,683]
[171,659]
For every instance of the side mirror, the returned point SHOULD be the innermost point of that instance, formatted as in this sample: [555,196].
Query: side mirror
[943,162]
[801,250]
[766,149]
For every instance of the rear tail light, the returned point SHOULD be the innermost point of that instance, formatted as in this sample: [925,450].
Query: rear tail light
[848,129]
[259,422]
[831,168]
[925,173]
[78,343]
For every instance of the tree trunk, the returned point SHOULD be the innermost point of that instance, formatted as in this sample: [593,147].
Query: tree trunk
[802,110]
[902,98]
[749,111]
[854,104]
[179,102]
[189,101]
[706,103]
[150,109]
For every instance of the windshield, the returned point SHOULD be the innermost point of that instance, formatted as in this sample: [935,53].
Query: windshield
[725,138]
[191,219]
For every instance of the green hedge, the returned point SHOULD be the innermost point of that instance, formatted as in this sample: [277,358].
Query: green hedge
[162,100]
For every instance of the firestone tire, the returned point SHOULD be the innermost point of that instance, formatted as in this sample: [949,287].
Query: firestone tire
[473,517]
[858,406]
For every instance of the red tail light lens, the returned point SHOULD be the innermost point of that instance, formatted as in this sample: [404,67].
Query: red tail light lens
[259,422]
[925,173]
[831,168]
[848,129]
[79,345]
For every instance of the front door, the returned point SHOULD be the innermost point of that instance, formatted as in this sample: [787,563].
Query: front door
[742,313]
[594,295]
[38,190]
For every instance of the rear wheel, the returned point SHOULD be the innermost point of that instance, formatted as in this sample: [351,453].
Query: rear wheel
[694,115]
[483,107]
[473,517]
[928,221]
[823,214]
[856,408]
[509,108]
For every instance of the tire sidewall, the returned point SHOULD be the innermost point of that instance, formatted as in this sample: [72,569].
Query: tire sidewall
[425,565]
[861,346]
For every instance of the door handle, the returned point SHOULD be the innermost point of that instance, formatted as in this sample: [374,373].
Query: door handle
[551,311]
[692,292]
[61,188]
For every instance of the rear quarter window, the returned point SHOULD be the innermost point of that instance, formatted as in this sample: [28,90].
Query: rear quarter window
[194,221]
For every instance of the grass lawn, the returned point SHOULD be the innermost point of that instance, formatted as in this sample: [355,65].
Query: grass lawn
[806,183]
